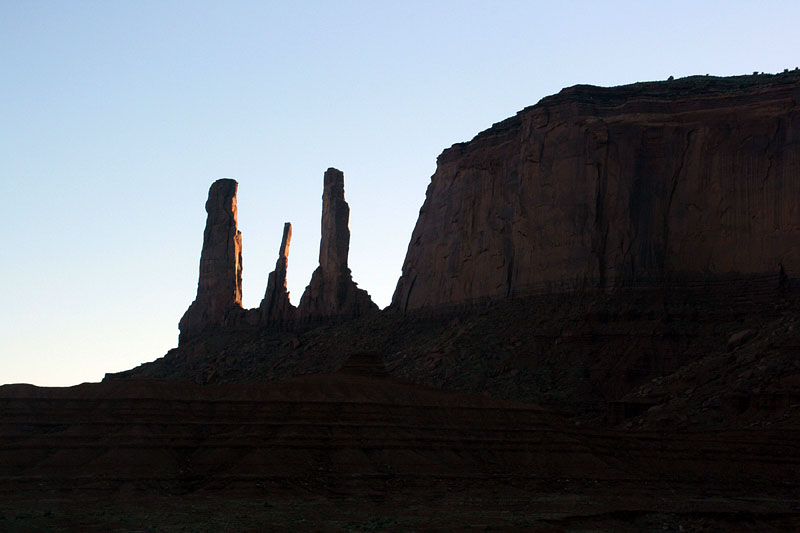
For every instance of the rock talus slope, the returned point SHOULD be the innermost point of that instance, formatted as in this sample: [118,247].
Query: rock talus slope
[601,187]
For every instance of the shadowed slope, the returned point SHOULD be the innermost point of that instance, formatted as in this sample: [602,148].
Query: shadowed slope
[375,445]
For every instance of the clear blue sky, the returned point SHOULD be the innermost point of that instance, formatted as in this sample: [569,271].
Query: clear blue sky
[116,116]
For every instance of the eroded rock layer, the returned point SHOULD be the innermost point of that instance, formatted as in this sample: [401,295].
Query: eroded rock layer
[602,187]
[219,288]
[332,291]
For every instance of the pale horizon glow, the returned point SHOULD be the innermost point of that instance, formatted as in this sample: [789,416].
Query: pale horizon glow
[116,117]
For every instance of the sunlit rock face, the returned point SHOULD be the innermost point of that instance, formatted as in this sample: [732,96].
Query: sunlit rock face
[600,187]
[219,288]
[276,305]
[332,291]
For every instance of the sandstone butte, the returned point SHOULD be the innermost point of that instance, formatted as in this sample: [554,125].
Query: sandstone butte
[332,293]
[599,188]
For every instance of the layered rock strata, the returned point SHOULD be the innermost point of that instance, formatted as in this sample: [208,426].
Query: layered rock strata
[219,287]
[276,305]
[603,187]
[332,291]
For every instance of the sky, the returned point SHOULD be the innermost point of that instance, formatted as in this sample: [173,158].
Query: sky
[116,117]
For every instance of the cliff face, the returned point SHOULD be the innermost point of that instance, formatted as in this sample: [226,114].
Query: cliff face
[599,187]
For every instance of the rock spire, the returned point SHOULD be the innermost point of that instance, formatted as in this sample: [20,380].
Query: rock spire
[335,243]
[332,291]
[219,288]
[276,305]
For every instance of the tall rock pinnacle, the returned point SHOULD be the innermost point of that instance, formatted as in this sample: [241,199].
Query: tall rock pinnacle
[335,243]
[219,288]
[332,291]
[276,305]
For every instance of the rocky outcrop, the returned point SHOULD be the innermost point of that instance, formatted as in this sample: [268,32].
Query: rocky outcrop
[332,291]
[219,288]
[276,305]
[604,187]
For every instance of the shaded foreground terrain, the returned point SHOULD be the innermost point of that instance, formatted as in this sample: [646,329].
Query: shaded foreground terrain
[359,450]
[660,408]
[707,355]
